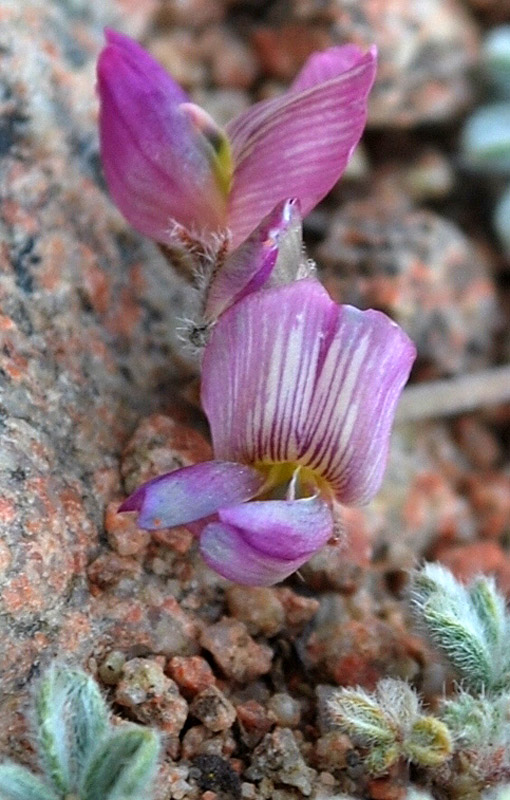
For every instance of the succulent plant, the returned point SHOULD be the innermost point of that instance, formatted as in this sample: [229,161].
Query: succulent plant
[82,756]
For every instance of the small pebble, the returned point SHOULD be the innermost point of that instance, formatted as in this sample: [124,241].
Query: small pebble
[259,608]
[110,670]
[286,710]
[299,610]
[254,721]
[431,177]
[110,569]
[151,697]
[175,781]
[235,652]
[199,740]
[216,774]
[179,55]
[213,709]
[420,269]
[192,673]
[331,750]
[278,756]
[233,64]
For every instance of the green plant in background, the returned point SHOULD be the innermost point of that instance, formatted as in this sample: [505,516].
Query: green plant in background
[81,754]
[471,626]
[486,135]
[390,724]
[468,624]
[465,746]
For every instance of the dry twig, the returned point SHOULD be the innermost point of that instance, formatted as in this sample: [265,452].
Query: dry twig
[455,395]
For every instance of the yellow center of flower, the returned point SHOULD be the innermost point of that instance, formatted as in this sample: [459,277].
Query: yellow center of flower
[216,144]
[289,480]
[223,164]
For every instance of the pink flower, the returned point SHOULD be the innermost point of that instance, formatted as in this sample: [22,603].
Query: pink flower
[168,165]
[271,256]
[300,396]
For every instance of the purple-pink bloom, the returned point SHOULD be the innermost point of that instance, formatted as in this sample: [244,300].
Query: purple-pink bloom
[271,256]
[300,394]
[168,164]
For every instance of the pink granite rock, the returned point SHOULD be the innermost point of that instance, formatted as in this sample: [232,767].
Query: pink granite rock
[426,49]
[421,270]
[86,312]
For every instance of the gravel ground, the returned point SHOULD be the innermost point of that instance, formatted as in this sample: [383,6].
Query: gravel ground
[97,393]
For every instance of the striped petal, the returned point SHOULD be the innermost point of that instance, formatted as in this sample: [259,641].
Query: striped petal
[275,242]
[261,543]
[298,144]
[191,493]
[258,372]
[289,376]
[327,64]
[159,157]
[358,382]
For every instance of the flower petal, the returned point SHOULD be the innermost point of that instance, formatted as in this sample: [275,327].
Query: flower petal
[224,549]
[258,372]
[158,165]
[251,265]
[289,376]
[327,64]
[358,382]
[285,529]
[192,493]
[145,65]
[298,144]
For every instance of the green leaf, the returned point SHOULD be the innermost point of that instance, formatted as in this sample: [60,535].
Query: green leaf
[489,604]
[381,758]
[463,645]
[475,722]
[122,766]
[445,609]
[399,702]
[17,783]
[429,743]
[361,717]
[71,716]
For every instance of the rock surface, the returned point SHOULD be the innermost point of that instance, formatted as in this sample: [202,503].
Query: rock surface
[421,270]
[426,48]
[86,314]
